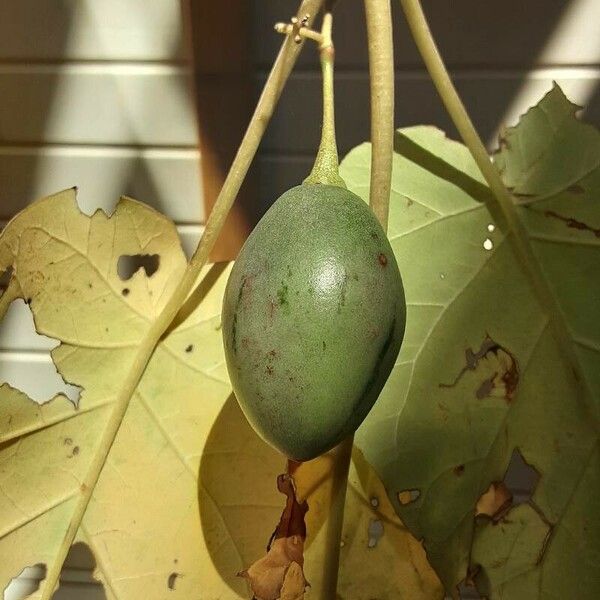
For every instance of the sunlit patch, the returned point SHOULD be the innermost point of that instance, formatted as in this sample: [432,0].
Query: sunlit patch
[329,278]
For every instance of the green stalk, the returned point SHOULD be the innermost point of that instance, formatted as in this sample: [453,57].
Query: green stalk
[381,68]
[381,75]
[326,168]
[515,229]
[279,73]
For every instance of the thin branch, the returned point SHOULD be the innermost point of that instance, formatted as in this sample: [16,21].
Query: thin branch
[381,74]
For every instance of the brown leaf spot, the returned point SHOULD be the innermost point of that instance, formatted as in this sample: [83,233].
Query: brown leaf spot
[189,348]
[459,470]
[172,579]
[407,496]
[382,258]
[573,223]
[125,291]
[501,371]
[495,501]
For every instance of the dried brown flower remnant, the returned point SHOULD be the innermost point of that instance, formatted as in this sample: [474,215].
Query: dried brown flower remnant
[279,575]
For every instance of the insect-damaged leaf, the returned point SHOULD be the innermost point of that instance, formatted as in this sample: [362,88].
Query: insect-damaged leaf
[483,372]
[186,496]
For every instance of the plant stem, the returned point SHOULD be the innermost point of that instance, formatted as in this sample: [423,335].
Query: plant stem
[381,68]
[279,73]
[381,74]
[520,239]
[326,168]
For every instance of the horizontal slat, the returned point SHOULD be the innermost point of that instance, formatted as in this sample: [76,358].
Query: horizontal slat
[128,104]
[167,179]
[470,33]
[491,98]
[90,29]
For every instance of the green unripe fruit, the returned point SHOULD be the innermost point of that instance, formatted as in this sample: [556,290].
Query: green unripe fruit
[313,319]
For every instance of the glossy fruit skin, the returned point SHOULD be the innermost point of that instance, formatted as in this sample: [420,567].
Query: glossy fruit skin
[313,318]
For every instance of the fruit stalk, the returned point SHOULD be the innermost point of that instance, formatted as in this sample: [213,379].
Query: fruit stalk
[279,73]
[381,76]
[326,167]
[519,237]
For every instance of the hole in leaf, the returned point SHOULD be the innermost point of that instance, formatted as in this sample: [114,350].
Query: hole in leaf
[521,478]
[375,532]
[25,583]
[491,227]
[129,264]
[488,244]
[517,487]
[76,579]
[5,279]
[25,362]
[407,496]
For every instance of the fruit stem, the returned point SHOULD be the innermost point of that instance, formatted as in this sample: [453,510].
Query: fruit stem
[326,168]
[266,105]
[381,75]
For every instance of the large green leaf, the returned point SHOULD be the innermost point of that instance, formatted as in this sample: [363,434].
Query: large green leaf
[483,374]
